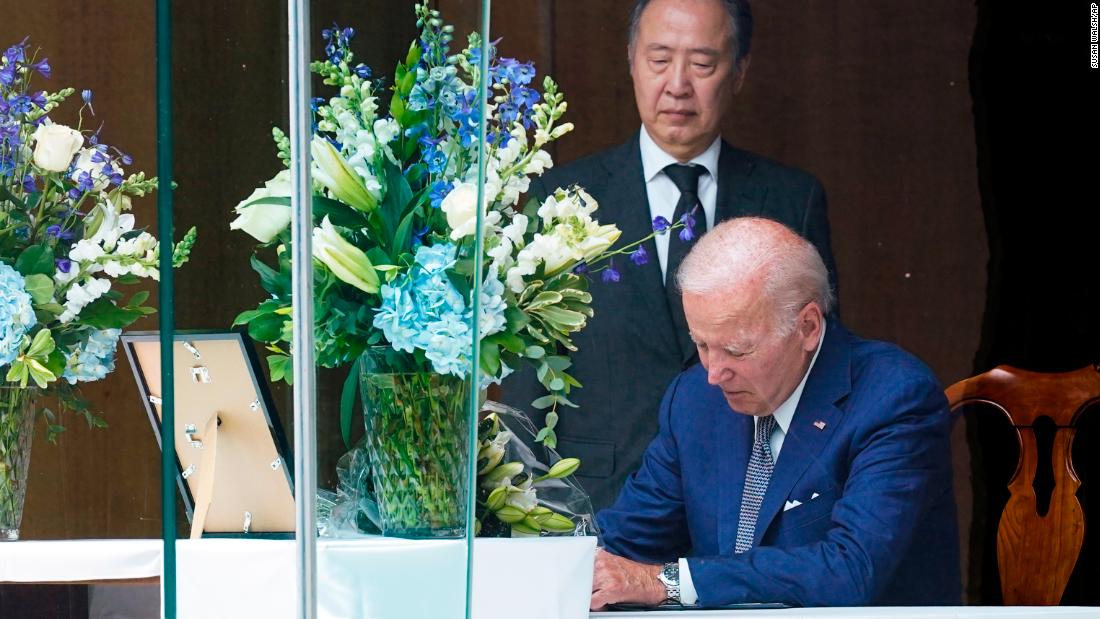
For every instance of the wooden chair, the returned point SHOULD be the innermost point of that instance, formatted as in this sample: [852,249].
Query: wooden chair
[1036,553]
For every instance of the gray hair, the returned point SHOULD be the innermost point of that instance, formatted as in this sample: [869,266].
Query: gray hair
[740,14]
[737,251]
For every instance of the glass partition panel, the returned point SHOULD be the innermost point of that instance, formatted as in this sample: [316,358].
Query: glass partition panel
[395,114]
[62,107]
[233,413]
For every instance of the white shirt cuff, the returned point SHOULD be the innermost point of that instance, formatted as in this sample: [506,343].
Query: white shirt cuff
[687,588]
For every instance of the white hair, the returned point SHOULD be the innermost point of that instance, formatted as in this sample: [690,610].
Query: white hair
[739,251]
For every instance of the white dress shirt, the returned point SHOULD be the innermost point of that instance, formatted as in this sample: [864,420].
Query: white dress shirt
[663,194]
[783,416]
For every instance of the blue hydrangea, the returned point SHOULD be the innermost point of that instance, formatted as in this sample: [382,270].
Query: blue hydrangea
[16,313]
[423,310]
[92,359]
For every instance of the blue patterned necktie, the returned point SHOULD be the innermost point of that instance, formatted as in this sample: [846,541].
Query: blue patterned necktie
[756,483]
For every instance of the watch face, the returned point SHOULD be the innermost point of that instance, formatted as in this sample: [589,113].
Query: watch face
[670,573]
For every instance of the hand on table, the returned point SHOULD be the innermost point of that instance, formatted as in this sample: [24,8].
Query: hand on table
[621,580]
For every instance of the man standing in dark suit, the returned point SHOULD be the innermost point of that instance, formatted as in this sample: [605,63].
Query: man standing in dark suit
[688,58]
[797,463]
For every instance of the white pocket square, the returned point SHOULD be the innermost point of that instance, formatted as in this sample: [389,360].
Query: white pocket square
[814,496]
[791,505]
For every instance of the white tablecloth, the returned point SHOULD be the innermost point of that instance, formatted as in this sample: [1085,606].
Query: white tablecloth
[80,560]
[384,577]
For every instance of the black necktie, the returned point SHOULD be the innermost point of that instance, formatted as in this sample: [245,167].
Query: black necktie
[686,179]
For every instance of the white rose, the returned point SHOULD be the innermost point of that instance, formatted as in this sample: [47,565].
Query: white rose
[460,206]
[54,147]
[265,221]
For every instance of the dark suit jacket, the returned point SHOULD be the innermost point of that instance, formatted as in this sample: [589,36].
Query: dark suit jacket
[881,528]
[631,349]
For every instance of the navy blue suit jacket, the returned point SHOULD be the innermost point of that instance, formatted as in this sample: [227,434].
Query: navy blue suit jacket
[868,456]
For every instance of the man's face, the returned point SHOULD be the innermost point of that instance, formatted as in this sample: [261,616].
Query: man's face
[743,352]
[684,75]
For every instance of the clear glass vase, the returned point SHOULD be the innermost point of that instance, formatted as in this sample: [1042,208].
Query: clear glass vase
[416,437]
[17,413]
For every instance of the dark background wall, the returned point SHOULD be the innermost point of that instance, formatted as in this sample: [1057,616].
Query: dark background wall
[952,137]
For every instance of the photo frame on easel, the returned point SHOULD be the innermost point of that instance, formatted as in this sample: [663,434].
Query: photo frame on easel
[234,467]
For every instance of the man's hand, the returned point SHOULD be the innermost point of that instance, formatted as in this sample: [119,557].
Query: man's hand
[621,580]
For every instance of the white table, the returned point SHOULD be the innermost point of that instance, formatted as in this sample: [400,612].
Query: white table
[395,578]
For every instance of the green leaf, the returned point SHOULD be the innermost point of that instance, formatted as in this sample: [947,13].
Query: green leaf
[278,365]
[7,195]
[563,317]
[40,287]
[103,314]
[56,362]
[535,352]
[347,402]
[35,259]
[403,238]
[41,346]
[139,297]
[377,256]
[508,341]
[269,278]
[551,439]
[246,316]
[545,401]
[266,328]
[18,373]
[338,213]
[558,363]
[128,279]
[41,375]
[398,196]
[543,299]
[490,358]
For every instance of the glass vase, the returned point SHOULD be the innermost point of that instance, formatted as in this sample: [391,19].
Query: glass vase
[17,413]
[416,437]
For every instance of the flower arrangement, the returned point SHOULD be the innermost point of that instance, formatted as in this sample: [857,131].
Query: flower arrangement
[66,239]
[395,206]
[66,243]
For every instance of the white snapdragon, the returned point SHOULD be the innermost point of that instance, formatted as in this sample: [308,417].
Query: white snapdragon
[539,163]
[86,250]
[515,230]
[386,130]
[80,295]
[508,155]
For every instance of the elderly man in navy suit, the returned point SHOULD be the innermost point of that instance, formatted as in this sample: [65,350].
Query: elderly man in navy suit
[797,463]
[688,59]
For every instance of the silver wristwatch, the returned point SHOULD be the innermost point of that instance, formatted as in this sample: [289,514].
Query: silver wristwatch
[670,578]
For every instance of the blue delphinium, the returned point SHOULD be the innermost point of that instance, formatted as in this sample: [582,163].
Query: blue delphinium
[16,313]
[93,359]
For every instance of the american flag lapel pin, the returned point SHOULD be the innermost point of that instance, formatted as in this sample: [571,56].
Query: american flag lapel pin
[819,424]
